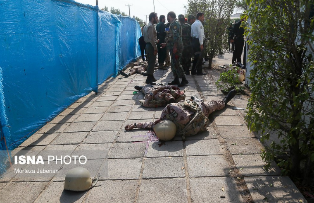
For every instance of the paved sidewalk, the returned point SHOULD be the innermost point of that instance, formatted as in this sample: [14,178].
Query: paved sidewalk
[222,164]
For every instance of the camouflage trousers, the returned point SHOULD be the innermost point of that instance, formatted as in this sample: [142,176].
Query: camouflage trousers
[176,67]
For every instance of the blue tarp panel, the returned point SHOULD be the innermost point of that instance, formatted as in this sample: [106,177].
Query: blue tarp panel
[49,51]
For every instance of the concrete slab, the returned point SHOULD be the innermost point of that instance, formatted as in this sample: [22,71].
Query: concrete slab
[80,127]
[132,136]
[101,137]
[203,147]
[244,146]
[127,150]
[39,139]
[3,184]
[70,138]
[239,101]
[92,151]
[273,189]
[163,167]
[115,116]
[101,103]
[202,166]
[228,111]
[64,119]
[163,190]
[53,128]
[234,132]
[124,168]
[88,117]
[96,110]
[20,191]
[253,165]
[57,150]
[108,126]
[120,108]
[135,115]
[228,120]
[55,193]
[124,102]
[206,135]
[170,148]
[105,98]
[113,191]
[214,189]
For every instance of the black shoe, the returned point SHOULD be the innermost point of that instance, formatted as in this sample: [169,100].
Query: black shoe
[187,72]
[183,82]
[175,81]
[138,88]
[124,74]
[153,79]
[193,72]
[145,74]
[229,96]
[149,80]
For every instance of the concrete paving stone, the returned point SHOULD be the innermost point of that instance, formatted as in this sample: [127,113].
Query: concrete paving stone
[127,122]
[70,138]
[126,97]
[124,168]
[144,109]
[253,165]
[239,102]
[210,95]
[108,126]
[16,192]
[127,92]
[234,132]
[56,150]
[80,127]
[67,111]
[101,103]
[39,139]
[63,119]
[88,117]
[164,167]
[96,110]
[55,193]
[115,116]
[170,148]
[53,128]
[228,111]
[101,137]
[213,165]
[138,115]
[244,146]
[209,134]
[273,189]
[111,93]
[127,150]
[132,136]
[92,151]
[124,102]
[3,184]
[229,120]
[163,190]
[120,109]
[106,98]
[203,147]
[214,189]
[113,191]
[92,165]
[157,114]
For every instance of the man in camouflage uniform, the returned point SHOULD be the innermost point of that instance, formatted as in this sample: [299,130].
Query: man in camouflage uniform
[175,46]
[189,116]
[186,40]
[160,96]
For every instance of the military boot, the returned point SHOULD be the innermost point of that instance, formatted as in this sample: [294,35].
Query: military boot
[176,81]
[150,80]
[184,82]
[229,96]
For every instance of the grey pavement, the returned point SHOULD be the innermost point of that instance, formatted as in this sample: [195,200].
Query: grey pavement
[222,164]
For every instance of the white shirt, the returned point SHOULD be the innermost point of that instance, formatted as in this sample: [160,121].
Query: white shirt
[197,31]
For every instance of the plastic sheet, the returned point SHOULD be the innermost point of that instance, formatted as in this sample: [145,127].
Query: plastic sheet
[49,56]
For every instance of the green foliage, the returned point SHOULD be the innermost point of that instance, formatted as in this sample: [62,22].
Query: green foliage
[118,12]
[229,80]
[280,43]
[217,19]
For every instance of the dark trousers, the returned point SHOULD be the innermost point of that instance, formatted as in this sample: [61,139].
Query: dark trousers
[142,47]
[198,57]
[161,55]
[151,57]
[237,51]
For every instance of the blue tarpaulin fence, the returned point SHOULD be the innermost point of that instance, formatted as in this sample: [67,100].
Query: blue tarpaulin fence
[53,52]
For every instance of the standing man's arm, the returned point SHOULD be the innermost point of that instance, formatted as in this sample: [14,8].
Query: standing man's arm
[200,31]
[152,35]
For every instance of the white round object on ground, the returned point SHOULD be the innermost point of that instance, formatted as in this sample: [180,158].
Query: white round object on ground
[165,130]
[78,179]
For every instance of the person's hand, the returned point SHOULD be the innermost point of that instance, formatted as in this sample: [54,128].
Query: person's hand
[202,47]
[155,52]
[129,127]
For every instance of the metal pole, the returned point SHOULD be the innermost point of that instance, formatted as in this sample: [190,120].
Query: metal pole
[96,2]
[96,88]
[154,5]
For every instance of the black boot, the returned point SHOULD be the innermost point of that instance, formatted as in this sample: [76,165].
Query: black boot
[124,74]
[184,82]
[150,80]
[175,81]
[138,88]
[229,96]
[153,78]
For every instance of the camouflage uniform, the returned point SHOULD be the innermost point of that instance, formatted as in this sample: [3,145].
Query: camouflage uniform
[187,47]
[190,117]
[161,96]
[173,39]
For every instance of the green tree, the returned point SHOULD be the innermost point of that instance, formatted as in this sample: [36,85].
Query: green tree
[282,101]
[217,19]
[242,4]
[105,9]
[140,21]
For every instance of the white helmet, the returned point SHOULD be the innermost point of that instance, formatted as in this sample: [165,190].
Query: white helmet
[165,130]
[78,179]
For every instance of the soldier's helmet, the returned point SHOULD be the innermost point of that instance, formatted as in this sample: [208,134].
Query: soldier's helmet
[165,130]
[78,179]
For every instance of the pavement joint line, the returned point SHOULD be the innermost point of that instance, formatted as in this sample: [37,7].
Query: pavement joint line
[234,171]
[187,177]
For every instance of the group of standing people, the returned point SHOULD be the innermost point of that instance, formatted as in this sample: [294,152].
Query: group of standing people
[181,38]
[236,39]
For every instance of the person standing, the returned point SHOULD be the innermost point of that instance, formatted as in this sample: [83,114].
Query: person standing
[175,46]
[197,33]
[230,38]
[150,37]
[186,40]
[161,35]
[238,36]
[142,43]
